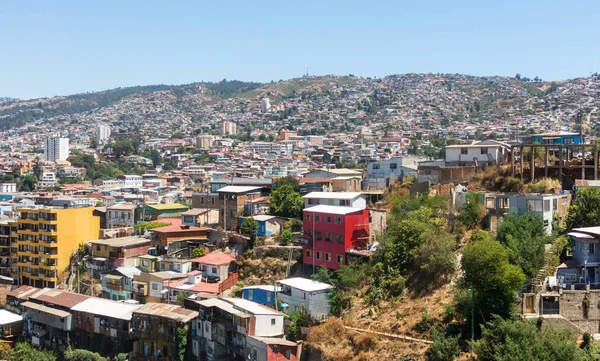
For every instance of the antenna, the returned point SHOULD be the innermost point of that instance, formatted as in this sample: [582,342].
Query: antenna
[307,70]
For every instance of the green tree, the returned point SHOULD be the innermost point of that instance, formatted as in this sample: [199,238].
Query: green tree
[148,225]
[23,351]
[122,148]
[198,252]
[585,209]
[519,340]
[524,238]
[180,343]
[249,226]
[93,143]
[286,237]
[492,278]
[28,183]
[472,212]
[286,202]
[435,256]
[181,297]
[444,347]
[83,355]
[290,181]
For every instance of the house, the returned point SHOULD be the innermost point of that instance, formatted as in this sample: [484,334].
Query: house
[224,324]
[339,199]
[486,152]
[331,231]
[305,293]
[153,212]
[216,266]
[497,205]
[308,185]
[98,321]
[154,329]
[199,217]
[117,283]
[167,234]
[180,265]
[148,263]
[271,349]
[111,253]
[267,225]
[120,215]
[11,324]
[153,287]
[381,174]
[232,200]
[50,319]
[346,184]
[584,266]
[263,294]
[561,137]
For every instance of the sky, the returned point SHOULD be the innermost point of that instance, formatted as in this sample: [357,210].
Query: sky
[50,48]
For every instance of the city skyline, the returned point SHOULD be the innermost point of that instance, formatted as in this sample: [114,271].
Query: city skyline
[61,49]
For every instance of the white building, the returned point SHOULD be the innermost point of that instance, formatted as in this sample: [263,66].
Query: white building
[132,181]
[48,179]
[228,127]
[338,199]
[205,141]
[303,292]
[382,173]
[470,154]
[103,132]
[265,105]
[56,149]
[8,187]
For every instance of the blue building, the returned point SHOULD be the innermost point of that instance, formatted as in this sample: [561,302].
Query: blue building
[267,225]
[558,138]
[265,294]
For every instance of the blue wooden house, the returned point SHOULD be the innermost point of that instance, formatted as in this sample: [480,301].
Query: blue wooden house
[265,294]
[584,266]
[558,138]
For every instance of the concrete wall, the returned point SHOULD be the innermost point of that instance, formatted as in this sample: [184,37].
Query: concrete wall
[571,308]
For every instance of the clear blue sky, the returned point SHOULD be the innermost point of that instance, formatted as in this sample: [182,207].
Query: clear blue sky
[61,47]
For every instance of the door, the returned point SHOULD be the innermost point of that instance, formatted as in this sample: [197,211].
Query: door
[529,304]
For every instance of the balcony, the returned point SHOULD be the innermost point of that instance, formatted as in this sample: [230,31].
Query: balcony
[114,287]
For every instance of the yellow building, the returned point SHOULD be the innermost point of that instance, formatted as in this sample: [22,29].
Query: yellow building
[47,237]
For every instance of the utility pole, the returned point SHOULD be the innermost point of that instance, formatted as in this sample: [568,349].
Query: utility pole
[472,314]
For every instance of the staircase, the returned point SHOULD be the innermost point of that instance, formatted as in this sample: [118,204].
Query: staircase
[539,278]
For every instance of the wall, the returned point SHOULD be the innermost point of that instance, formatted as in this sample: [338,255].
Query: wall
[263,326]
[571,308]
[453,155]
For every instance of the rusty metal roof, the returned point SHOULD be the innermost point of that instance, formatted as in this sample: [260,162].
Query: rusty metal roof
[173,312]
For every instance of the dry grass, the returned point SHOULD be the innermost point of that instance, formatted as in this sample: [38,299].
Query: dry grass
[262,271]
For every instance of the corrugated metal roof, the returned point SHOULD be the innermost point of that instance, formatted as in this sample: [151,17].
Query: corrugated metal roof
[173,312]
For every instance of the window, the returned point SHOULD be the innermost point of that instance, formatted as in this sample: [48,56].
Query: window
[97,247]
[145,263]
[212,201]
[318,255]
[308,255]
[534,205]
[571,277]
[318,236]
[317,218]
[327,219]
[546,205]
[490,202]
[327,257]
[339,238]
[214,270]
[503,203]
[393,166]
[568,140]
[344,202]
[484,151]
[154,286]
[304,295]
[201,200]
[272,322]
[338,220]
[307,217]
[376,166]
[592,248]
[250,294]
[340,259]
[313,202]
[327,237]
[268,295]
[464,150]
[288,354]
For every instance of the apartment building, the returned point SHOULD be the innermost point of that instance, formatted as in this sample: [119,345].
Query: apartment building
[120,215]
[47,237]
[8,248]
[56,149]
[338,199]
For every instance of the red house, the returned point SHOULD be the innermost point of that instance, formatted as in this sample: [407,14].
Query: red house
[330,231]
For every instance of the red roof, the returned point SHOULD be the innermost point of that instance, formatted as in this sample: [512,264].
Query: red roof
[173,221]
[215,259]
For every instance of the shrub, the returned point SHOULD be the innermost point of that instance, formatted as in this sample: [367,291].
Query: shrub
[449,312]
[426,321]
[544,185]
[444,347]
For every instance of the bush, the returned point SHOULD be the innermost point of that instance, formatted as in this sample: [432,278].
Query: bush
[449,312]
[286,237]
[544,185]
[444,347]
[426,321]
[198,252]
[472,212]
